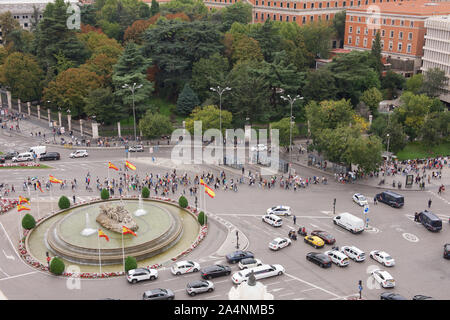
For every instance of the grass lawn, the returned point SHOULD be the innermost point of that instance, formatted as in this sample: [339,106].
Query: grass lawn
[417,150]
[167,109]
[42,166]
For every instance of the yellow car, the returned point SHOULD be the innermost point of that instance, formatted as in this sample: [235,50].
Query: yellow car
[315,241]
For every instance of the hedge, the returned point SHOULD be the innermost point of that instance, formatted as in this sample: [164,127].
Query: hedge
[145,192]
[202,218]
[130,263]
[64,202]
[104,194]
[28,222]
[183,202]
[57,266]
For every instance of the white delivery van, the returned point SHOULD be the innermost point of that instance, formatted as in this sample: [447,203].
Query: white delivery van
[349,222]
[38,150]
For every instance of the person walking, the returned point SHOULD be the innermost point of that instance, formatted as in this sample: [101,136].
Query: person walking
[74,200]
[375,200]
[429,203]
[295,219]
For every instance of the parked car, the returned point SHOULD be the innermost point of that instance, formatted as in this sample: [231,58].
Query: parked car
[10,154]
[391,198]
[353,253]
[141,274]
[338,258]
[349,222]
[360,199]
[314,241]
[21,157]
[38,150]
[249,263]
[183,267]
[280,211]
[136,148]
[158,294]
[237,256]
[422,297]
[391,296]
[2,159]
[79,154]
[259,147]
[325,236]
[215,271]
[320,259]
[447,251]
[279,243]
[382,257]
[273,220]
[50,156]
[260,272]
[200,286]
[430,220]
[383,278]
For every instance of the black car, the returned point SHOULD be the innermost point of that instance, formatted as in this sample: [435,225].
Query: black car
[158,294]
[422,297]
[2,159]
[320,259]
[391,296]
[237,256]
[50,156]
[391,198]
[430,220]
[325,236]
[10,154]
[215,271]
[447,251]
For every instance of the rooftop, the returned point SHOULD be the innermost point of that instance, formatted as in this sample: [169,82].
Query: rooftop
[417,8]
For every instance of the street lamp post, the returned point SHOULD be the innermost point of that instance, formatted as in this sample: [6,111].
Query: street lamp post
[291,101]
[387,156]
[220,91]
[132,89]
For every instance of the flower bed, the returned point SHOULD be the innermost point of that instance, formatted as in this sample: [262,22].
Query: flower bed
[7,204]
[96,275]
[20,164]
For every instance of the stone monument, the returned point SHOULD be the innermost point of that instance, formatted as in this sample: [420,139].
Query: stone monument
[113,218]
[250,290]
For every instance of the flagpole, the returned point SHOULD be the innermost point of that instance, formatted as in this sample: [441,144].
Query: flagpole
[99,255]
[123,253]
[39,215]
[51,196]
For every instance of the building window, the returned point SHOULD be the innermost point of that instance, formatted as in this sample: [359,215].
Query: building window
[399,47]
[359,19]
[327,17]
[374,32]
[351,3]
[391,35]
[287,18]
[400,35]
[366,31]
[350,29]
[408,48]
[320,5]
[349,39]
[392,22]
[312,5]
[256,15]
[358,30]
[410,36]
[287,4]
[304,6]
[295,6]
[357,41]
[311,18]
[382,44]
[344,4]
[384,21]
[411,24]
[274,17]
[328,4]
[383,33]
[402,22]
[268,3]
[390,45]
[365,42]
[303,20]
[294,18]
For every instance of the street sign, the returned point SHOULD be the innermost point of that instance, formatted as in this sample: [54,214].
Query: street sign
[366,209]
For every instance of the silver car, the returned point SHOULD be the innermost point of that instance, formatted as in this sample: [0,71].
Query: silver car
[158,294]
[199,286]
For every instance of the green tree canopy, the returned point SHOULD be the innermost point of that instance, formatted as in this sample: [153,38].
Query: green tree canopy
[284,129]
[210,118]
[155,125]
[187,101]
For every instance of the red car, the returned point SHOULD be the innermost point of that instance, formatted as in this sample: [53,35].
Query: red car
[325,236]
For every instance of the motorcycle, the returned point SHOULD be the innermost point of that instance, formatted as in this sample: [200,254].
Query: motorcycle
[301,232]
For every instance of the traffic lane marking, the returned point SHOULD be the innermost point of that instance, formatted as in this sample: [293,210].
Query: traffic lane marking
[312,285]
[19,275]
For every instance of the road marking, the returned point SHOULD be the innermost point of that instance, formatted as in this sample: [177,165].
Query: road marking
[286,294]
[19,275]
[410,237]
[8,257]
[9,239]
[7,275]
[309,289]
[209,297]
[312,285]
[276,290]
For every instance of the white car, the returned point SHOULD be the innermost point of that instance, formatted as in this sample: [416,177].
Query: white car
[21,157]
[249,263]
[280,211]
[382,257]
[383,278]
[183,267]
[259,147]
[273,220]
[360,199]
[279,243]
[338,258]
[199,286]
[79,154]
[353,253]
[141,274]
[260,272]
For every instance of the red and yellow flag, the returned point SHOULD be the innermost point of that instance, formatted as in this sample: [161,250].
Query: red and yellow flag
[111,166]
[22,208]
[210,191]
[202,182]
[38,185]
[54,180]
[101,234]
[130,166]
[125,230]
[23,200]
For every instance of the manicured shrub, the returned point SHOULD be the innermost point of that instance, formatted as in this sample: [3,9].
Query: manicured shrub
[183,202]
[57,266]
[104,194]
[130,263]
[28,222]
[145,192]
[202,218]
[63,202]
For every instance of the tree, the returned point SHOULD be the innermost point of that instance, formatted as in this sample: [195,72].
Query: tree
[28,222]
[284,129]
[63,203]
[182,202]
[365,152]
[317,38]
[246,48]
[237,12]
[8,24]
[195,9]
[372,98]
[104,194]
[268,37]
[210,118]
[376,54]
[202,218]
[130,263]
[329,115]
[392,82]
[187,101]
[319,85]
[154,9]
[414,84]
[155,125]
[434,82]
[102,65]
[207,73]
[145,192]
[20,40]
[383,125]
[102,104]
[57,266]
[338,25]
[136,30]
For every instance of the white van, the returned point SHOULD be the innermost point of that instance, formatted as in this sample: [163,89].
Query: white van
[260,272]
[21,157]
[273,220]
[349,222]
[38,150]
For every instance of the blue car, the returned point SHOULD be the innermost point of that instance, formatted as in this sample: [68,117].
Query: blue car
[237,256]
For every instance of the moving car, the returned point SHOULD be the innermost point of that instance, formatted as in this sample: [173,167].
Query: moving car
[383,278]
[10,154]
[353,253]
[447,251]
[249,263]
[183,267]
[237,256]
[2,159]
[273,220]
[279,243]
[349,222]
[382,257]
[280,211]
[215,271]
[141,274]
[422,297]
[79,154]
[314,241]
[430,220]
[21,157]
[391,198]
[325,236]
[360,199]
[158,294]
[38,150]
[136,148]
[200,286]
[259,147]
[338,258]
[260,272]
[50,156]
[320,259]
[391,296]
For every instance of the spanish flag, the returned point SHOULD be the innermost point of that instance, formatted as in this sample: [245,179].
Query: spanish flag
[130,166]
[23,200]
[54,180]
[101,234]
[22,208]
[209,191]
[202,182]
[111,166]
[38,185]
[125,230]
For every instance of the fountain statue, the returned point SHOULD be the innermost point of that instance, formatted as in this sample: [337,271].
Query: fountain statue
[140,211]
[113,218]
[87,231]
[250,290]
